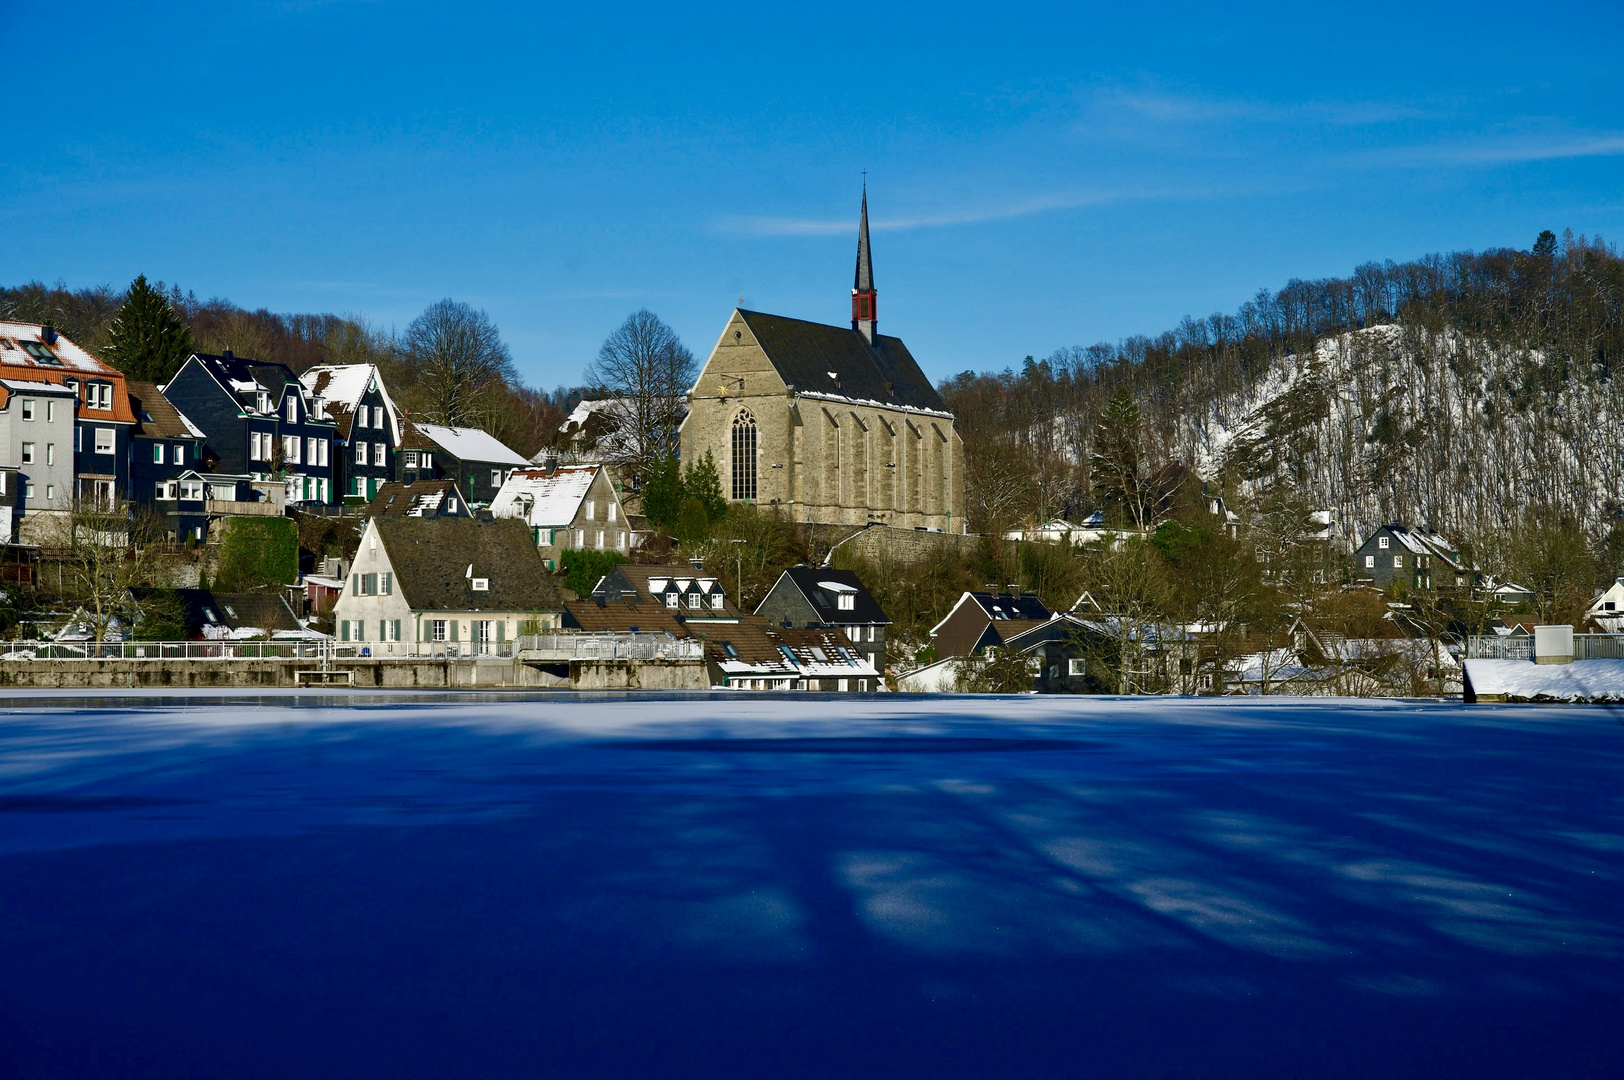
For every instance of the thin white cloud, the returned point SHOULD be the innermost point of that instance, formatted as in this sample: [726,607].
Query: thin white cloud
[971,215]
[1498,151]
[1174,108]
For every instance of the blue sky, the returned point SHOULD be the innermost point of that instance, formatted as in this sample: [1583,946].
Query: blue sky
[1038,177]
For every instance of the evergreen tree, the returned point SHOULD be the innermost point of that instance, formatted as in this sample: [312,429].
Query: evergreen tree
[701,481]
[147,340]
[663,493]
[1117,461]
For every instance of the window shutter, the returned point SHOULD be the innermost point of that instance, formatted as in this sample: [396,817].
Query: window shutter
[453,629]
[501,630]
[343,629]
[355,585]
[397,629]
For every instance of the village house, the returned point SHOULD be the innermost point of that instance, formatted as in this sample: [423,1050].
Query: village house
[367,426]
[809,597]
[981,619]
[566,507]
[163,446]
[258,420]
[90,405]
[422,499]
[1396,555]
[475,460]
[837,426]
[36,440]
[1606,611]
[445,587]
[693,596]
[194,502]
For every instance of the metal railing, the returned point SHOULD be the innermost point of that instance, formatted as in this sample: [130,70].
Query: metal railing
[1495,647]
[1521,647]
[610,645]
[444,650]
[175,650]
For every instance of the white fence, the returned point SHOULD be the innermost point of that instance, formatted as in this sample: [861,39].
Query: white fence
[175,650]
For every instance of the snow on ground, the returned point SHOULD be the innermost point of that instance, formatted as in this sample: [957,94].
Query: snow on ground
[746,885]
[1522,680]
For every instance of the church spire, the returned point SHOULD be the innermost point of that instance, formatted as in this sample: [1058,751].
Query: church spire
[864,300]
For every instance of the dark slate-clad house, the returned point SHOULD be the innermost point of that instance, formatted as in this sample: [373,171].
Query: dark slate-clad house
[259,420]
[810,598]
[191,500]
[367,423]
[981,619]
[476,461]
[1412,558]
[163,445]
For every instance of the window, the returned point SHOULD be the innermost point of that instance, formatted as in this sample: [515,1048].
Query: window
[312,451]
[591,510]
[254,453]
[41,353]
[1398,562]
[50,493]
[846,601]
[164,491]
[28,408]
[191,490]
[290,449]
[157,453]
[386,584]
[378,450]
[293,410]
[600,539]
[360,630]
[716,601]
[1381,542]
[613,514]
[28,453]
[481,584]
[50,412]
[180,455]
[671,600]
[50,453]
[411,459]
[1370,562]
[264,402]
[104,440]
[388,629]
[104,395]
[28,491]
[496,478]
[744,455]
[360,453]
[1076,667]
[437,629]
[580,538]
[694,600]
[451,506]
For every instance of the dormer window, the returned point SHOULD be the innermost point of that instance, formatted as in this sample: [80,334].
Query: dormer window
[293,410]
[264,402]
[671,600]
[846,602]
[716,601]
[41,353]
[693,600]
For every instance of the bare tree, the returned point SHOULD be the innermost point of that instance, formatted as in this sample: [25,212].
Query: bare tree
[646,366]
[104,551]
[460,360]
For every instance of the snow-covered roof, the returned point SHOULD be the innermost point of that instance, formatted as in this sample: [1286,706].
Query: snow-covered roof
[541,500]
[32,386]
[14,335]
[345,384]
[470,444]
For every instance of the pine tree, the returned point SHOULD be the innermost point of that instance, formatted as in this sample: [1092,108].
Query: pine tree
[1117,462]
[662,493]
[701,481]
[147,340]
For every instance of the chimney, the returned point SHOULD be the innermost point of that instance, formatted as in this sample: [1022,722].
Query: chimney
[550,466]
[47,334]
[225,354]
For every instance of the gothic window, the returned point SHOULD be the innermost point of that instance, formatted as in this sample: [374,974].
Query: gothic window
[744,455]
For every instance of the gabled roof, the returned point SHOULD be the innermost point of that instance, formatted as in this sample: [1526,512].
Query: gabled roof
[805,353]
[243,378]
[467,444]
[434,560]
[622,616]
[267,611]
[1001,607]
[16,337]
[652,581]
[1424,542]
[821,586]
[423,497]
[341,387]
[155,417]
[545,500]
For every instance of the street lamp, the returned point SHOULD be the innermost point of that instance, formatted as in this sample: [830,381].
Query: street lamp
[738,580]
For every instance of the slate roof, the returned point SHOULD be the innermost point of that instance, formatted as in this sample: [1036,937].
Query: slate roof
[395,499]
[620,616]
[431,558]
[244,377]
[865,609]
[155,417]
[638,577]
[752,646]
[804,353]
[260,610]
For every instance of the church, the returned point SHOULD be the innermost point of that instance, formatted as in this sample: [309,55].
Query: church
[836,426]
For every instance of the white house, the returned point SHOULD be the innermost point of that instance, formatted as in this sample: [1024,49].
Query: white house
[566,507]
[444,586]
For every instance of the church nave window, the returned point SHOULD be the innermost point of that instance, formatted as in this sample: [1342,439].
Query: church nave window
[744,456]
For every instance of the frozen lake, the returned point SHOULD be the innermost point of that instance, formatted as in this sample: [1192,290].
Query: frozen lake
[491,885]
